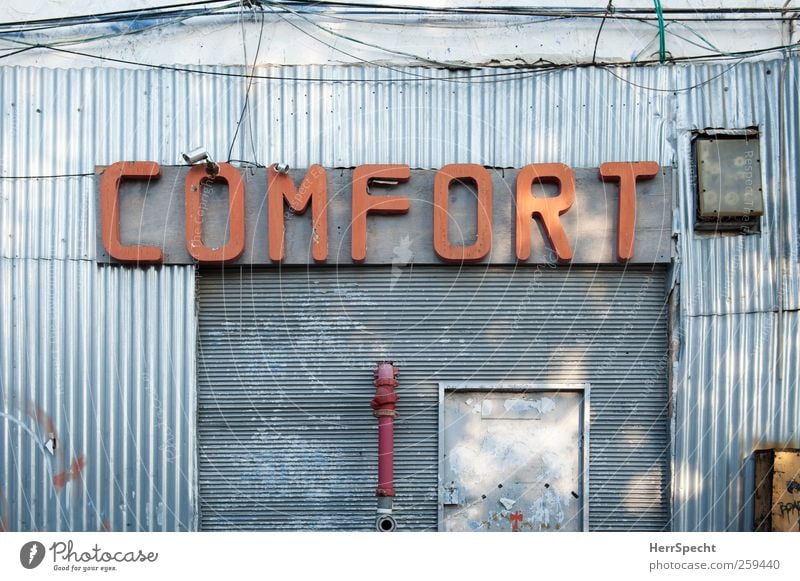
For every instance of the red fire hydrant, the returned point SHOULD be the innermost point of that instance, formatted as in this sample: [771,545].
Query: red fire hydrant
[384,405]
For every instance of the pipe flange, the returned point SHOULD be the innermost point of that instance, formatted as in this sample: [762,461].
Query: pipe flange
[383,412]
[385,523]
[385,382]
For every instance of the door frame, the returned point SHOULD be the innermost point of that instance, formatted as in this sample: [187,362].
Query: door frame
[583,444]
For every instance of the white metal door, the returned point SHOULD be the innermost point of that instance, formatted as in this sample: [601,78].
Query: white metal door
[512,459]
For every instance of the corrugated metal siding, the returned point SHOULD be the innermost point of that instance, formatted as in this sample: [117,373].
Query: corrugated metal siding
[732,404]
[101,359]
[58,121]
[736,378]
[790,214]
[103,356]
[287,438]
[88,117]
[724,274]
[62,121]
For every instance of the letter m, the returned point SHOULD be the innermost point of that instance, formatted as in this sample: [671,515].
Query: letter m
[313,189]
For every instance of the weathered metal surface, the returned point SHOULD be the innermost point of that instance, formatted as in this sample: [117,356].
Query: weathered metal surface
[736,373]
[97,385]
[725,273]
[512,460]
[285,363]
[581,118]
[153,215]
[62,121]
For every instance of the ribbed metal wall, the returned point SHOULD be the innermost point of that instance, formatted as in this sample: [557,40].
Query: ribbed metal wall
[736,376]
[97,364]
[59,121]
[97,397]
[62,121]
[286,435]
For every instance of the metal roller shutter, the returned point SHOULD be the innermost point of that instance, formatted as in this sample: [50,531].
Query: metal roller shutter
[286,435]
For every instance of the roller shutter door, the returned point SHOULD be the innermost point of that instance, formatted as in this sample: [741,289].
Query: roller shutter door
[286,436]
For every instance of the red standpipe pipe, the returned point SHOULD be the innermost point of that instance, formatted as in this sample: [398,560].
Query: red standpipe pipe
[384,405]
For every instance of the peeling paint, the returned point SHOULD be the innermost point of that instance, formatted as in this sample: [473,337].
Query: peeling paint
[523,468]
[543,406]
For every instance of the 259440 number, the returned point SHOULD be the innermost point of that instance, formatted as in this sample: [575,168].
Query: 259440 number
[748,564]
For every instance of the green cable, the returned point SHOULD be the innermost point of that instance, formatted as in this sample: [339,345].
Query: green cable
[662,49]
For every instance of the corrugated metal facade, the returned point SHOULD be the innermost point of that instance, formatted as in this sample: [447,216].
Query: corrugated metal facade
[286,436]
[67,121]
[736,381]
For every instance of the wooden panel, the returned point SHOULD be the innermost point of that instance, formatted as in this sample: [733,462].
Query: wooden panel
[777,495]
[763,495]
[786,491]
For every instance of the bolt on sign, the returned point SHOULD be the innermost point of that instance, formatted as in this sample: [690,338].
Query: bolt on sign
[384,214]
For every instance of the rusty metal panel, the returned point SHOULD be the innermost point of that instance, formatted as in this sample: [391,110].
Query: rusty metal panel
[512,457]
[286,436]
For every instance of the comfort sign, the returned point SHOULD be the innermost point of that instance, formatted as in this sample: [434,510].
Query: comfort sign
[384,214]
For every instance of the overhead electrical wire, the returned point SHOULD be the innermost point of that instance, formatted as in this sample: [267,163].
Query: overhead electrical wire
[48,177]
[159,23]
[426,60]
[530,70]
[533,70]
[190,8]
[354,40]
[117,16]
[611,72]
[704,43]
[249,86]
[116,34]
[571,12]
[609,10]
